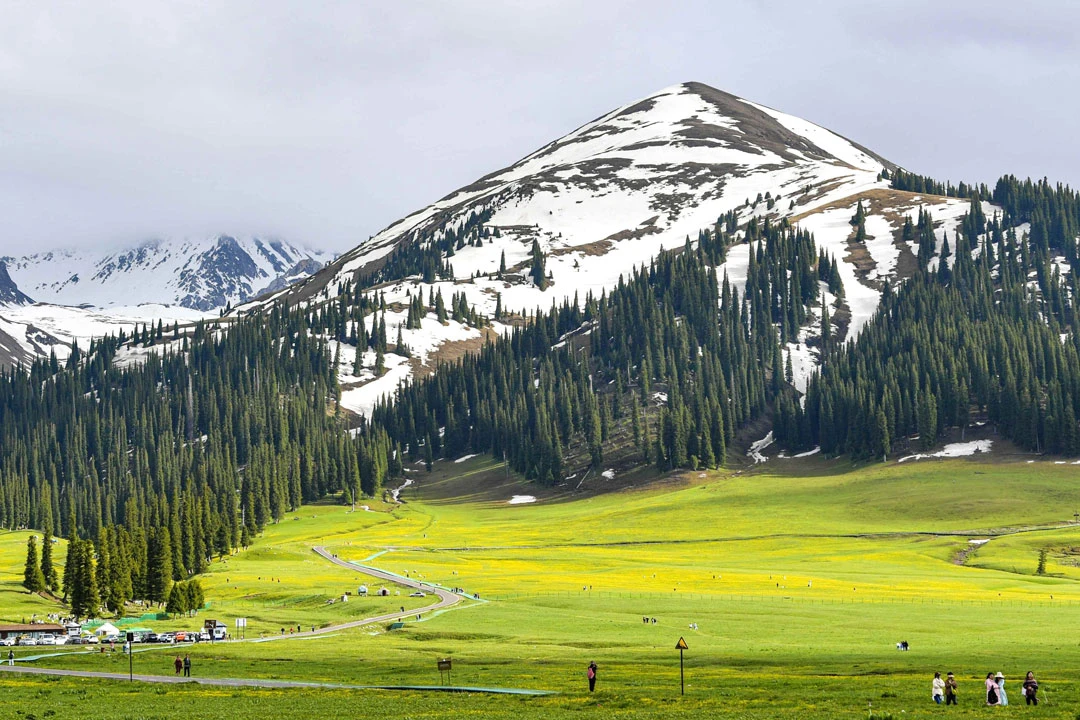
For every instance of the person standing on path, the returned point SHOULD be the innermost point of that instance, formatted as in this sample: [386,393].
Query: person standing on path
[1031,689]
[937,689]
[950,689]
[187,666]
[11,658]
[591,674]
[178,664]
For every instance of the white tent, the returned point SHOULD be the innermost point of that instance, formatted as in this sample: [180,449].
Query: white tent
[107,629]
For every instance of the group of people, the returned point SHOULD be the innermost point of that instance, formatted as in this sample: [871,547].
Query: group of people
[944,691]
[183,665]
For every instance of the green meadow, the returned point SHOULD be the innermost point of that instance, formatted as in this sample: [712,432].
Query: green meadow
[791,583]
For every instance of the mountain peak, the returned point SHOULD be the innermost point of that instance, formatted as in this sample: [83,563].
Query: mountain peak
[646,175]
[9,291]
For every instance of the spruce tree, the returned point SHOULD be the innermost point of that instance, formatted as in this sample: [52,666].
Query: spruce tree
[48,570]
[33,580]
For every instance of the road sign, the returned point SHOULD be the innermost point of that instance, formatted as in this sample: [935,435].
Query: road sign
[680,646]
[444,667]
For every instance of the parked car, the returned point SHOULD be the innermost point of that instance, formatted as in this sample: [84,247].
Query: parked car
[418,593]
[181,636]
[27,642]
[7,642]
[47,639]
[151,637]
[90,640]
[61,640]
[75,640]
[167,637]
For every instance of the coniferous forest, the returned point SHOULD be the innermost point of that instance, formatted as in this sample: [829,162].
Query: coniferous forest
[151,468]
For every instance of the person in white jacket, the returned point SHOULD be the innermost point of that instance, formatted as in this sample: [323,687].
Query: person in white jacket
[938,689]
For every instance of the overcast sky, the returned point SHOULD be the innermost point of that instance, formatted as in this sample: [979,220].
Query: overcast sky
[323,122]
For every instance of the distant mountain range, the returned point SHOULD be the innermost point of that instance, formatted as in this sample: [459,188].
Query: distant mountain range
[198,274]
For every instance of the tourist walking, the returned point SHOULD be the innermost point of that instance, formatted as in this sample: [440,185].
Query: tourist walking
[591,674]
[991,689]
[1003,699]
[937,689]
[187,666]
[950,689]
[1031,689]
[178,664]
[11,658]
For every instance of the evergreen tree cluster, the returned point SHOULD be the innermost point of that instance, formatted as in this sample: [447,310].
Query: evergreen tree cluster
[992,335]
[152,469]
[558,384]
[185,598]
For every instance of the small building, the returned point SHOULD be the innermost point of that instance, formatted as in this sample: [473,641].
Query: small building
[34,630]
[74,629]
[216,629]
[106,629]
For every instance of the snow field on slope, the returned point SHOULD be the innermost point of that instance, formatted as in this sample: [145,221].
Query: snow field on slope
[17,332]
[831,229]
[82,324]
[952,450]
[828,141]
[361,393]
[879,243]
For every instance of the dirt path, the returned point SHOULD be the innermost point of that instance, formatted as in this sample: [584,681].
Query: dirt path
[259,682]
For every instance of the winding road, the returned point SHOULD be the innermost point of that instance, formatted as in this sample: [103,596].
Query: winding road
[446,599]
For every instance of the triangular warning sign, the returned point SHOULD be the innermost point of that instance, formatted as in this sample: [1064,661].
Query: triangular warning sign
[681,645]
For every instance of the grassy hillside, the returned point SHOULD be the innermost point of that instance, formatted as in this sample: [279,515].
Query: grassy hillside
[800,578]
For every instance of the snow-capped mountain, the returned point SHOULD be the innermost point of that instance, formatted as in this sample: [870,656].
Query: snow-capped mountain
[199,274]
[647,175]
[610,195]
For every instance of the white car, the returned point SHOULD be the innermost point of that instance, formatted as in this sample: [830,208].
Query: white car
[27,642]
[61,640]
[418,593]
[7,642]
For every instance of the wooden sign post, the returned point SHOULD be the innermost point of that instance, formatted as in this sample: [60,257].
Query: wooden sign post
[444,666]
[680,646]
